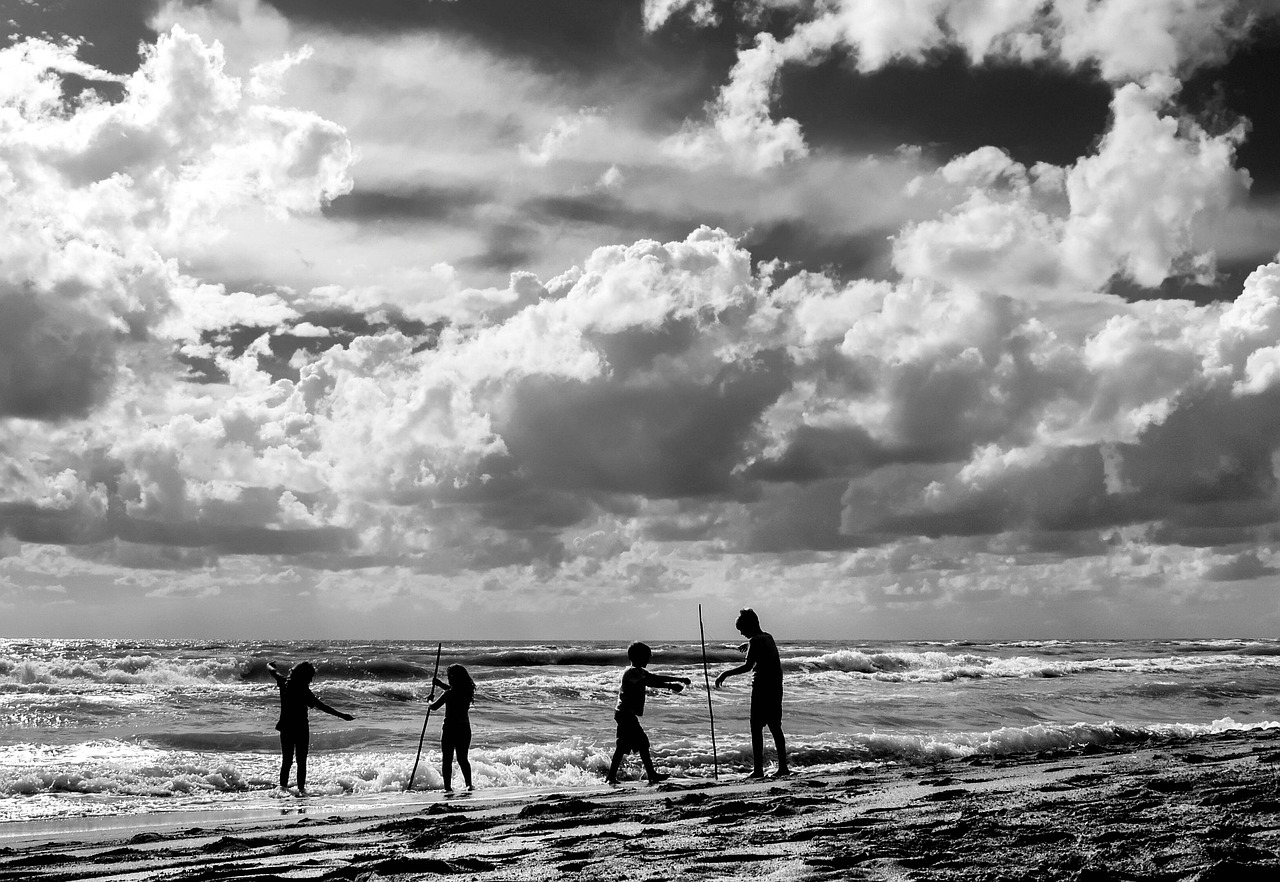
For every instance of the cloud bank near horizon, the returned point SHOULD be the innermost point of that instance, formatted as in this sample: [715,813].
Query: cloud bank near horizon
[220,364]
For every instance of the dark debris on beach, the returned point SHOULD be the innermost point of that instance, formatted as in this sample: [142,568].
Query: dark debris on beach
[1180,812]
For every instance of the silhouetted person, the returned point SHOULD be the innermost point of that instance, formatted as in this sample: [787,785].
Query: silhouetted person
[631,737]
[766,690]
[455,735]
[295,733]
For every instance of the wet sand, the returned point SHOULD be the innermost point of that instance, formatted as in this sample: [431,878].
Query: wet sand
[1196,809]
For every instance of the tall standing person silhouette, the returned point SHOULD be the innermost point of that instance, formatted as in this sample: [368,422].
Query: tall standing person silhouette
[766,690]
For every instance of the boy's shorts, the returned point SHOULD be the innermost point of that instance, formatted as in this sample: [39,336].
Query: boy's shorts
[766,705]
[631,737]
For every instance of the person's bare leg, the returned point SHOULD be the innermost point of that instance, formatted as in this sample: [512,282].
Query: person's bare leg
[780,743]
[286,760]
[301,751]
[649,770]
[465,765]
[757,751]
[612,777]
[446,769]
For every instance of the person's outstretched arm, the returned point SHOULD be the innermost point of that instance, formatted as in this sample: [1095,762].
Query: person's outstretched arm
[733,672]
[271,666]
[666,681]
[320,705]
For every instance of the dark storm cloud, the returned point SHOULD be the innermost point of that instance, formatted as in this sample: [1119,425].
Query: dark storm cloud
[232,539]
[670,441]
[636,348]
[508,501]
[55,361]
[148,557]
[510,247]
[815,452]
[535,508]
[1168,533]
[795,241]
[1051,544]
[697,526]
[1222,490]
[801,243]
[1067,492]
[802,519]
[508,548]
[1240,567]
[582,34]
[48,526]
[1037,114]
[603,39]
[1222,445]
[415,205]
[606,210]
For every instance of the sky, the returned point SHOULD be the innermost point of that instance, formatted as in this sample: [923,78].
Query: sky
[939,319]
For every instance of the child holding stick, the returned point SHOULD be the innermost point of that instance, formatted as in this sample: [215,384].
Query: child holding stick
[455,735]
[630,708]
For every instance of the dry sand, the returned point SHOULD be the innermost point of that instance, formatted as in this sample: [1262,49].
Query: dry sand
[1187,810]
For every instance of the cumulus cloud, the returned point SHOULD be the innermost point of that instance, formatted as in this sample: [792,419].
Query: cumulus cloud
[1131,208]
[1126,40]
[659,12]
[980,418]
[100,192]
[740,129]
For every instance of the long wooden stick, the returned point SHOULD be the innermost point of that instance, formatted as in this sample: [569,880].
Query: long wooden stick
[706,679]
[423,736]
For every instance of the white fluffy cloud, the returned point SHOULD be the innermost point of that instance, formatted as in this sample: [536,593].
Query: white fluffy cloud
[741,130]
[1127,40]
[102,193]
[982,419]
[1131,208]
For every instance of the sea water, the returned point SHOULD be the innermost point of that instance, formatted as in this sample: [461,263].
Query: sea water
[115,727]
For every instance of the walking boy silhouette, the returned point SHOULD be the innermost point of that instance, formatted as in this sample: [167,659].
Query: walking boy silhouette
[631,736]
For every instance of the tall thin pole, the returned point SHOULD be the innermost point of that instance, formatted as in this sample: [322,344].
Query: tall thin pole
[706,679]
[423,736]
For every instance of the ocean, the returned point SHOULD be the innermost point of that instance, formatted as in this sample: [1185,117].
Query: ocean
[93,728]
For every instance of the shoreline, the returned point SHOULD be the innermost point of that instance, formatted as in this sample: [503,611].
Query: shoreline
[1184,809]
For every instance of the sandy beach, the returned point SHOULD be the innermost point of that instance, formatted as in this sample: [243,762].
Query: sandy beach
[1194,809]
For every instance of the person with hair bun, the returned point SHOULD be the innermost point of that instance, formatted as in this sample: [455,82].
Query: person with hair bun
[295,732]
